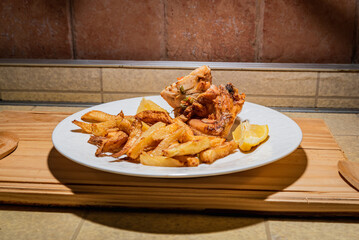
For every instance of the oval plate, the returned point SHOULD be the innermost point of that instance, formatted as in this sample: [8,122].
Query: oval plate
[284,137]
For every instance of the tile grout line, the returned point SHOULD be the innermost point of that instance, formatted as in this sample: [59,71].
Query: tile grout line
[73,40]
[79,226]
[259,29]
[101,83]
[317,91]
[355,34]
[165,32]
[267,229]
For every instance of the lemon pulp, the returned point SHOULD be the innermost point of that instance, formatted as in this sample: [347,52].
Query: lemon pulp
[248,135]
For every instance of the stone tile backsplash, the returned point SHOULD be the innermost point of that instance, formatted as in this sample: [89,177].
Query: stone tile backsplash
[277,88]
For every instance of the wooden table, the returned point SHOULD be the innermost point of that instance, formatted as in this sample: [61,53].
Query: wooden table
[306,181]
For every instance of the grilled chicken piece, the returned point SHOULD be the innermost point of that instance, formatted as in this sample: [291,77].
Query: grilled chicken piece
[208,109]
[225,107]
[192,85]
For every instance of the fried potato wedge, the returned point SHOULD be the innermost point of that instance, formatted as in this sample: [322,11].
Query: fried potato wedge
[159,161]
[165,132]
[188,148]
[124,125]
[147,104]
[151,117]
[216,141]
[86,127]
[135,133]
[100,129]
[212,154]
[144,140]
[97,116]
[189,161]
[188,134]
[113,144]
[168,141]
[97,140]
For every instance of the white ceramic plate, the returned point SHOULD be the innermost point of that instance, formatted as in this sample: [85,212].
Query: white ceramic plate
[284,137]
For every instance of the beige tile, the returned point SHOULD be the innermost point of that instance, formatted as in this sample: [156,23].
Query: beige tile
[282,101]
[109,97]
[338,102]
[147,225]
[139,80]
[350,146]
[50,78]
[339,84]
[38,223]
[15,108]
[340,124]
[269,83]
[299,230]
[52,97]
[58,109]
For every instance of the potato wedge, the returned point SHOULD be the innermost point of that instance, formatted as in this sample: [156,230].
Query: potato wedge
[135,133]
[212,154]
[188,148]
[151,117]
[189,161]
[165,132]
[113,144]
[167,142]
[188,134]
[97,140]
[124,125]
[144,140]
[97,116]
[147,104]
[86,127]
[159,161]
[100,129]
[216,141]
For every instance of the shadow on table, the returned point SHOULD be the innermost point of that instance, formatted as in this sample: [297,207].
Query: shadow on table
[84,182]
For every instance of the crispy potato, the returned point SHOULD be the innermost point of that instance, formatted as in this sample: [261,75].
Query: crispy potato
[188,134]
[168,141]
[124,125]
[151,117]
[97,116]
[165,132]
[100,129]
[86,127]
[188,148]
[189,161]
[144,140]
[216,141]
[135,133]
[159,161]
[144,125]
[113,144]
[212,154]
[147,104]
[97,140]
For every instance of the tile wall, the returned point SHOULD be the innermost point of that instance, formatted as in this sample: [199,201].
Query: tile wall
[97,84]
[219,30]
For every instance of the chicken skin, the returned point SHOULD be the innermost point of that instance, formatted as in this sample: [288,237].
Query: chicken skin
[208,109]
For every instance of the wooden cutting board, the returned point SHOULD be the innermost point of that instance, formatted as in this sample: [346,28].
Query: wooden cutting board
[305,181]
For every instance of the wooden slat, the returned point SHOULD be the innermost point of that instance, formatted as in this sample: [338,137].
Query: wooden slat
[305,181]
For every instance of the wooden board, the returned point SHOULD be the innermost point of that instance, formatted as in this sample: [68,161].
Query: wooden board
[305,181]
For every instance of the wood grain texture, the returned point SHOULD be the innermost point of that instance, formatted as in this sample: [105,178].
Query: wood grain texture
[8,143]
[305,181]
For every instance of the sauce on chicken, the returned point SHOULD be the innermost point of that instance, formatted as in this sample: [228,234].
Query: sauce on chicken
[207,108]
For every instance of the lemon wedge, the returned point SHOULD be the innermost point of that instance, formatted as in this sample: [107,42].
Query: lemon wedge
[147,104]
[248,135]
